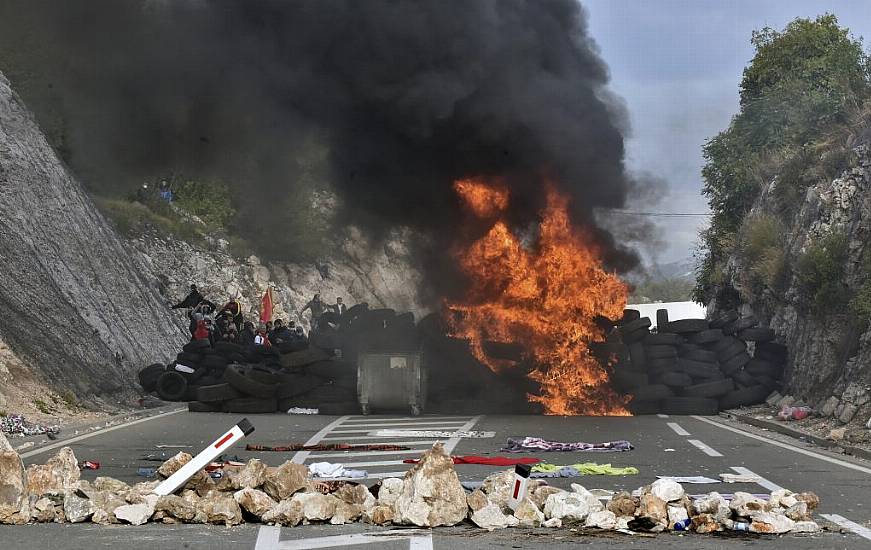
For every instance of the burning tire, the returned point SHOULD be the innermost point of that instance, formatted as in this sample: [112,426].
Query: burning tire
[171,386]
[652,392]
[199,406]
[250,405]
[149,375]
[217,392]
[743,397]
[716,388]
[700,355]
[735,363]
[236,377]
[685,326]
[706,336]
[689,405]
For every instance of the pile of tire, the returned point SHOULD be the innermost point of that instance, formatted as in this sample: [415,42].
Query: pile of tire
[693,366]
[320,373]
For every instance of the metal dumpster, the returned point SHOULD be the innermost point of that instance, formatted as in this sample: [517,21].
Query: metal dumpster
[391,380]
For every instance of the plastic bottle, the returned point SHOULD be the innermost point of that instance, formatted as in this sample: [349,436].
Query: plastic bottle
[683,525]
[741,526]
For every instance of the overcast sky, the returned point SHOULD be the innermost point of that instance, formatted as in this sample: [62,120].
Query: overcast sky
[677,65]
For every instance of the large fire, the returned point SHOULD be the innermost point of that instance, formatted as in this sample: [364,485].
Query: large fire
[544,296]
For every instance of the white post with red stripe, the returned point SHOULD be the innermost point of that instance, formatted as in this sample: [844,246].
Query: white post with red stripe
[171,484]
[521,478]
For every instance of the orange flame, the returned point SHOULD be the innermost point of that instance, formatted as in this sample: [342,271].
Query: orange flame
[544,298]
[482,199]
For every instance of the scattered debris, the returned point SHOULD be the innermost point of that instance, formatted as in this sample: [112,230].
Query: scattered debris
[516,445]
[794,413]
[432,433]
[16,424]
[690,479]
[301,410]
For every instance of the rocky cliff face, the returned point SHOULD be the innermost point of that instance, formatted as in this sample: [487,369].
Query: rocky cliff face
[382,276]
[830,353]
[82,308]
[74,302]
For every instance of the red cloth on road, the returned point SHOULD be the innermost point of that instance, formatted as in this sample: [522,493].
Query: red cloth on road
[487,460]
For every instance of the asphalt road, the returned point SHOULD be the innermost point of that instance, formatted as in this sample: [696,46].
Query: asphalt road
[685,446]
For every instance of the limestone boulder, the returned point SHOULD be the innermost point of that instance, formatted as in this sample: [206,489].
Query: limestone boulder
[13,485]
[110,484]
[769,522]
[254,501]
[176,507]
[316,506]
[220,508]
[172,465]
[745,504]
[282,482]
[139,513]
[58,475]
[346,513]
[567,506]
[287,512]
[77,509]
[653,508]
[540,494]
[252,475]
[528,514]
[390,490]
[431,493]
[357,495]
[622,504]
[602,519]
[491,517]
[667,489]
[379,515]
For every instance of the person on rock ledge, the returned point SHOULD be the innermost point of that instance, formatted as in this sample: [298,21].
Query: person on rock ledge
[234,309]
[317,308]
[339,307]
[280,333]
[262,338]
[191,300]
[246,337]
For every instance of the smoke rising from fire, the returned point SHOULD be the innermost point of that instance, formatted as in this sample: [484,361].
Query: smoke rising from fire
[408,96]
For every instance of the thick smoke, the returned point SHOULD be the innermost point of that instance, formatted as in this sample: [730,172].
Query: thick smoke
[405,95]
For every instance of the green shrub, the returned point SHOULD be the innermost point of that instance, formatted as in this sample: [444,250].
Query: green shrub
[761,252]
[819,274]
[132,218]
[212,202]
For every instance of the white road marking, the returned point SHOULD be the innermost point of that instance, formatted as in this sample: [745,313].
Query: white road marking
[369,475]
[424,442]
[440,426]
[860,530]
[415,542]
[677,429]
[268,537]
[704,448]
[82,437]
[370,463]
[770,485]
[367,419]
[660,415]
[300,456]
[400,425]
[452,443]
[782,445]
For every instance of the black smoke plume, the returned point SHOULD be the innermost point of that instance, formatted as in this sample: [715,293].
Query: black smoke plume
[405,95]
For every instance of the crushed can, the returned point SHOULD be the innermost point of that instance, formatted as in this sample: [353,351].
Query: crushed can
[391,381]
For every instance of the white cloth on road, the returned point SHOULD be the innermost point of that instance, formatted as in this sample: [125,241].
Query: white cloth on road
[331,470]
[690,479]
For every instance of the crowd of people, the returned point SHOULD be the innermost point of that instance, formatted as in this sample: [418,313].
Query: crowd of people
[228,324]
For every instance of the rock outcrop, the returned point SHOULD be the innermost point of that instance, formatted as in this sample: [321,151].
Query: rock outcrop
[75,302]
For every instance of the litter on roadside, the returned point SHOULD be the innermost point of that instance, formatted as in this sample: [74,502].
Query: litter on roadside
[332,470]
[740,478]
[146,472]
[89,465]
[690,479]
[431,433]
[328,447]
[301,410]
[793,413]
[16,424]
[518,444]
[23,446]
[486,460]
[172,446]
[584,469]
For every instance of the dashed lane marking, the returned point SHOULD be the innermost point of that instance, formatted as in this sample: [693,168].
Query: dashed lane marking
[704,448]
[421,541]
[860,530]
[782,445]
[268,537]
[677,429]
[82,437]
[770,485]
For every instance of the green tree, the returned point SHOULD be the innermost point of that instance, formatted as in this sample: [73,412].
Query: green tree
[802,83]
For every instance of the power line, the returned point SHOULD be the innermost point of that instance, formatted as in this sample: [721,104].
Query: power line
[661,214]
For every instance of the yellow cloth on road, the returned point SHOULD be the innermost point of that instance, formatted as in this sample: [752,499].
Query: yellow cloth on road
[587,468]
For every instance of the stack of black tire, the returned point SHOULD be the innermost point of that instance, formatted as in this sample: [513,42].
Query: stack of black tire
[321,373]
[693,366]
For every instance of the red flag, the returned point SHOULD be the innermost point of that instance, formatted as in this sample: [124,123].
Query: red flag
[266,306]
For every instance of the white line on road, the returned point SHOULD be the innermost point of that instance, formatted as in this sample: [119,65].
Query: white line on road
[662,415]
[782,445]
[452,442]
[300,456]
[367,419]
[369,475]
[704,448]
[440,426]
[78,438]
[371,463]
[268,537]
[400,425]
[770,485]
[677,429]
[415,542]
[860,530]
